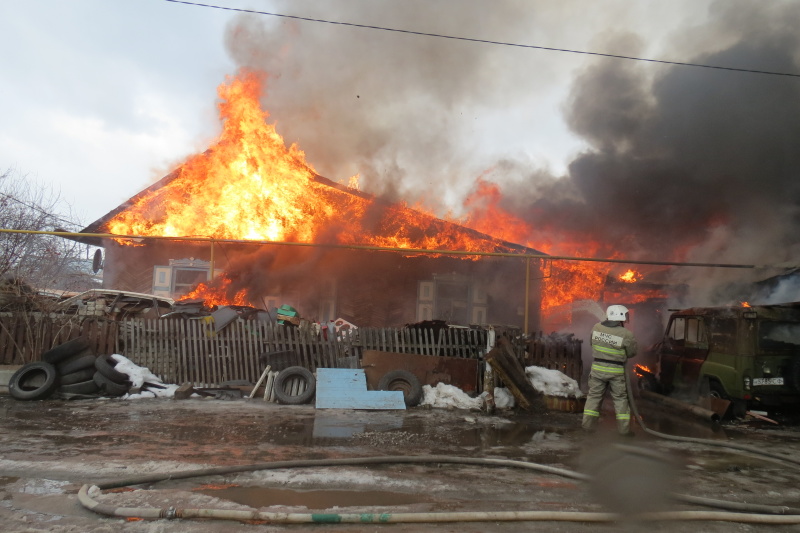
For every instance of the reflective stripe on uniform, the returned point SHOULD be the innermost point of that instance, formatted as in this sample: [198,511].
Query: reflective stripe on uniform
[589,412]
[606,349]
[623,416]
[608,369]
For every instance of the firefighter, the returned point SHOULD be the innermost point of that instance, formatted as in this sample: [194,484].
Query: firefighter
[612,345]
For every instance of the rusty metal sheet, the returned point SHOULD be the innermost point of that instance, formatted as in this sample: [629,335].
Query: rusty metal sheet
[429,369]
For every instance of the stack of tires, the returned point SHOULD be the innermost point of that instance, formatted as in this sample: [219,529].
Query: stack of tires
[71,369]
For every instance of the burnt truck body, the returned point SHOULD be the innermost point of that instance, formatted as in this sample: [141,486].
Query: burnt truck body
[749,355]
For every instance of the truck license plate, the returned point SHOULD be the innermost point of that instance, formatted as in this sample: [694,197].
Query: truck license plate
[768,381]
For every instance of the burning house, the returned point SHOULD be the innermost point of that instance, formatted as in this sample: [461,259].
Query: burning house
[272,232]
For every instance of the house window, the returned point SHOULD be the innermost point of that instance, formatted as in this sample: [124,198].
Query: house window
[187,278]
[454,298]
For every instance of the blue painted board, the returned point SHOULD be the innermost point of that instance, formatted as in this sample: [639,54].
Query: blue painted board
[346,388]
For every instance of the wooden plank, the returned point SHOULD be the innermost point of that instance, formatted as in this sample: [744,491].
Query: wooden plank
[343,388]
[505,364]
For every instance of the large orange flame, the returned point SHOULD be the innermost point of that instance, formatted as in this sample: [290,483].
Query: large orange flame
[249,185]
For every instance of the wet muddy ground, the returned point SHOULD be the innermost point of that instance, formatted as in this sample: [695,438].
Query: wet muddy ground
[51,448]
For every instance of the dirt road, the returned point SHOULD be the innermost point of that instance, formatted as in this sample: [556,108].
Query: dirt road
[51,448]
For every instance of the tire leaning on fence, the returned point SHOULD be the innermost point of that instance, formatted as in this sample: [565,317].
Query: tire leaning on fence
[64,350]
[405,381]
[34,381]
[81,363]
[286,381]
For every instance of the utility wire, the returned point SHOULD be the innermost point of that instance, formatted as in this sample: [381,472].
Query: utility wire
[40,210]
[484,41]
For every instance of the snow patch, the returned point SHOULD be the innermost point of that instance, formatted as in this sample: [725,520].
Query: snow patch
[552,382]
[138,376]
[449,396]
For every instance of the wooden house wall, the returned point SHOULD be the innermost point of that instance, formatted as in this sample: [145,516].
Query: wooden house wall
[372,289]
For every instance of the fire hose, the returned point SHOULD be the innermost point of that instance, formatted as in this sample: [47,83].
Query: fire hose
[741,447]
[754,514]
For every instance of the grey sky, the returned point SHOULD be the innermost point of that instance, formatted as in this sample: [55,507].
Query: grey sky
[100,98]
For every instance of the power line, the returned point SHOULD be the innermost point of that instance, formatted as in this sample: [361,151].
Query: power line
[484,41]
[40,210]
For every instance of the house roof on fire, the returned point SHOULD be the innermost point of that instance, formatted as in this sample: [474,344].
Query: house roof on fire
[435,226]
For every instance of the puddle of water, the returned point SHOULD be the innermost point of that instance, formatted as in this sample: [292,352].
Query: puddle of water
[258,497]
[5,481]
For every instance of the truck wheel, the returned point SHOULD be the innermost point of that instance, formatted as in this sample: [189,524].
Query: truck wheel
[716,390]
[404,381]
[283,379]
[738,407]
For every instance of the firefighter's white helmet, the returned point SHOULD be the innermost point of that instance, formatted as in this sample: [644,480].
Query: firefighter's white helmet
[617,312]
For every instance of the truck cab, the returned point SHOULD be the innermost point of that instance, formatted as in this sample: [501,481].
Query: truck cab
[747,354]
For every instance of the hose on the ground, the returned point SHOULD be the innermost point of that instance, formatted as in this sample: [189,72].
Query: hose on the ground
[764,514]
[708,442]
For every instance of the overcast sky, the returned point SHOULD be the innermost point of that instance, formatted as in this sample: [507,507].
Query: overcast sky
[100,98]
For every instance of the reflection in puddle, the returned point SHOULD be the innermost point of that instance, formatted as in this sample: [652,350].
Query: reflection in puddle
[258,497]
[327,425]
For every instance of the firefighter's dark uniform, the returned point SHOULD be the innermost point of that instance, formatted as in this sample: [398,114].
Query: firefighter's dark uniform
[612,345]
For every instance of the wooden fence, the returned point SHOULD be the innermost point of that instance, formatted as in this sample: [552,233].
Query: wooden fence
[556,352]
[25,336]
[182,351]
[192,350]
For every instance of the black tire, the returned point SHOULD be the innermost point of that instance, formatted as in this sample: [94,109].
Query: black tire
[80,376]
[81,387]
[81,363]
[34,381]
[282,380]
[404,381]
[105,365]
[109,387]
[64,350]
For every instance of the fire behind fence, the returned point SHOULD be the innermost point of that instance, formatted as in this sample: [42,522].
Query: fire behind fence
[193,351]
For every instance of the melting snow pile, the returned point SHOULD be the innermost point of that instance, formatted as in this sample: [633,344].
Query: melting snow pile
[503,399]
[552,382]
[140,378]
[443,395]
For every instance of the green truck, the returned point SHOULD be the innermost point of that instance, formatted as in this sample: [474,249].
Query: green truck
[747,354]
